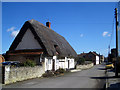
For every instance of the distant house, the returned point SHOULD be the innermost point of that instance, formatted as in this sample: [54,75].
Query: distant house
[82,55]
[94,57]
[43,45]
[91,56]
[102,58]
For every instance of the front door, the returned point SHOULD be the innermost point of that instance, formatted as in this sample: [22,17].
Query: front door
[53,65]
[68,64]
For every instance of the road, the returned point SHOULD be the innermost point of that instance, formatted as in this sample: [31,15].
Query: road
[90,78]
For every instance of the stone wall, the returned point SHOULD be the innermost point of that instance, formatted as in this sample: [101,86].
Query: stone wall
[82,67]
[14,74]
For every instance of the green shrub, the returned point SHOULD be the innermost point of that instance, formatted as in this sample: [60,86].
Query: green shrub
[29,63]
[48,74]
[80,60]
[56,72]
[61,70]
[45,75]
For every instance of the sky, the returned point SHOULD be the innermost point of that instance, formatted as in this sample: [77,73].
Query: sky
[87,26]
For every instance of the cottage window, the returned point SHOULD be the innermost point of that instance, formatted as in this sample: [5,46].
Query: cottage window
[57,49]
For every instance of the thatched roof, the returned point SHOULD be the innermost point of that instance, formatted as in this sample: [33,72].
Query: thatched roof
[48,39]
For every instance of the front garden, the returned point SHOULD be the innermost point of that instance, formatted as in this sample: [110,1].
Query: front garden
[58,72]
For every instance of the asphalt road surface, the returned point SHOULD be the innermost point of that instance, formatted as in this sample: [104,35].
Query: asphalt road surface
[90,78]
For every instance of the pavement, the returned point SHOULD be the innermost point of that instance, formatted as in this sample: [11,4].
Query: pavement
[112,82]
[90,78]
[75,70]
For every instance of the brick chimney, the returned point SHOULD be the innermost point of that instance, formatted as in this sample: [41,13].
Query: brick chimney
[48,24]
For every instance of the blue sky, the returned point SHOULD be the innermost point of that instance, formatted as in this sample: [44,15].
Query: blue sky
[87,26]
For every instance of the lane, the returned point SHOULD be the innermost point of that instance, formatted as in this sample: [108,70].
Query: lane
[91,78]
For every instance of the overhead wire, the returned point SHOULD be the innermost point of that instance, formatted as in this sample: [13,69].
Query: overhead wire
[111,37]
[112,32]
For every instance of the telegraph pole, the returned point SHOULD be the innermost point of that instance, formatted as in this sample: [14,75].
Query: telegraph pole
[116,64]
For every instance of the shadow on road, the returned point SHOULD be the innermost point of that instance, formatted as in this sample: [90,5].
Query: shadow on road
[101,69]
[104,77]
[115,86]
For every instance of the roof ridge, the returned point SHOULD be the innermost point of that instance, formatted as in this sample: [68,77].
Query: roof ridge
[33,20]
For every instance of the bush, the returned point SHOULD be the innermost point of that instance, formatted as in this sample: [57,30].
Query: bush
[45,75]
[80,60]
[61,70]
[48,74]
[56,72]
[29,63]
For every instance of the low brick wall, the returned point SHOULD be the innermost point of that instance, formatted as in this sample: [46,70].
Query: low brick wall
[14,74]
[82,67]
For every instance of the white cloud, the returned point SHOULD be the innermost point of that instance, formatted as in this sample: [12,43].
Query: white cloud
[104,33]
[11,29]
[81,35]
[14,33]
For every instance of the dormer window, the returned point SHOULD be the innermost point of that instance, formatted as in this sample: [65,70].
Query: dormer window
[57,49]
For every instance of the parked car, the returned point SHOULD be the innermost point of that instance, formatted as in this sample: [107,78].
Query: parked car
[12,63]
[109,65]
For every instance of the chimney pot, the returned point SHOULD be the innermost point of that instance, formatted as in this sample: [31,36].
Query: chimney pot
[48,24]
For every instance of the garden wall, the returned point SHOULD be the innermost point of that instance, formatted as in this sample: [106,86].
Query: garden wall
[82,67]
[14,74]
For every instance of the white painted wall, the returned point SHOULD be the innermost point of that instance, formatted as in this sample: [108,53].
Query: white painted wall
[59,63]
[71,63]
[66,63]
[55,58]
[97,60]
[48,64]
[62,63]
[28,42]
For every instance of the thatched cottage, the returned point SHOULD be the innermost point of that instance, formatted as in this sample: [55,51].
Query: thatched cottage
[40,43]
